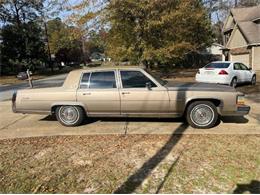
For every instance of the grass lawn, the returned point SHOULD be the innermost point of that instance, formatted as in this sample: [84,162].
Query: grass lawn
[131,163]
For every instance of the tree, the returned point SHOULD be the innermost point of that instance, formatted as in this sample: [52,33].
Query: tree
[18,11]
[22,36]
[157,30]
[22,45]
[63,44]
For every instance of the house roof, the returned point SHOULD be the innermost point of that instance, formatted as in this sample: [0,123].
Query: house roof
[246,19]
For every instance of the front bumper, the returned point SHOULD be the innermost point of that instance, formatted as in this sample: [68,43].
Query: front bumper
[241,110]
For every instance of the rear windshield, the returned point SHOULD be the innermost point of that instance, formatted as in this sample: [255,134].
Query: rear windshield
[217,65]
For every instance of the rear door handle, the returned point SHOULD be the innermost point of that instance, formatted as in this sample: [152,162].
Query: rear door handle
[87,93]
[125,93]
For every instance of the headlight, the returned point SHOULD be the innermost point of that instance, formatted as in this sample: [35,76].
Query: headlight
[240,100]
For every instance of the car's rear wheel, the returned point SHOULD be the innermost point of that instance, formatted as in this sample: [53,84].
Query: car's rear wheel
[202,114]
[70,116]
[253,81]
[233,82]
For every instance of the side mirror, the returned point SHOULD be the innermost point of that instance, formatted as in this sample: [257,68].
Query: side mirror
[148,85]
[249,68]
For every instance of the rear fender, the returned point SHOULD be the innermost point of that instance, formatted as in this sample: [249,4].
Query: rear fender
[68,103]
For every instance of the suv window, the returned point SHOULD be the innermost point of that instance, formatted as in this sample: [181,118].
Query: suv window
[135,79]
[237,66]
[84,81]
[102,80]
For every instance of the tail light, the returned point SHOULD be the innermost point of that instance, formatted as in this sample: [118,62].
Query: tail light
[223,72]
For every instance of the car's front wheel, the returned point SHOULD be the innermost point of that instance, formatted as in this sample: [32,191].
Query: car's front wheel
[202,114]
[70,116]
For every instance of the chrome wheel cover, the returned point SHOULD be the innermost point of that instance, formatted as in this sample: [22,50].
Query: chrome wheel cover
[68,115]
[234,83]
[202,115]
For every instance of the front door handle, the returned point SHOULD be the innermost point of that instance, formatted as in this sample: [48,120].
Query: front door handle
[123,93]
[87,93]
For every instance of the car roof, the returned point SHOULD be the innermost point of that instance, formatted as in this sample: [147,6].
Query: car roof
[72,80]
[107,68]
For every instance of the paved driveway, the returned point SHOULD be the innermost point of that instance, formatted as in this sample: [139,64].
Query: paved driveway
[19,125]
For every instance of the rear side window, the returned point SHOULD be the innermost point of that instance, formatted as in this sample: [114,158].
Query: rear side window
[134,79]
[84,81]
[217,65]
[237,66]
[102,80]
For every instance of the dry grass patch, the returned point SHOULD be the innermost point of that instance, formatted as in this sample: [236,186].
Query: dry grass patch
[101,164]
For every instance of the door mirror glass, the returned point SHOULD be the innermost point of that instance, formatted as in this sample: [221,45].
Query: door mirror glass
[148,85]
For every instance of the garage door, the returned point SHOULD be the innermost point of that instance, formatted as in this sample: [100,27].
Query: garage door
[244,58]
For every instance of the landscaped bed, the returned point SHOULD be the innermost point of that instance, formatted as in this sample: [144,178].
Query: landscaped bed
[131,163]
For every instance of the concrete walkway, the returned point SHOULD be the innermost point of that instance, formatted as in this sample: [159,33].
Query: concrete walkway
[19,125]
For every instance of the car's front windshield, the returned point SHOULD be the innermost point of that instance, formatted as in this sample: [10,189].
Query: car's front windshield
[157,78]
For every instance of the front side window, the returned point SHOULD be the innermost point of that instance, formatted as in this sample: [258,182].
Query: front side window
[102,80]
[135,79]
[243,67]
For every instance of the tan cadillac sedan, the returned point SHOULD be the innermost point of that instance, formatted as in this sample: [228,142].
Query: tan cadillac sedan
[130,92]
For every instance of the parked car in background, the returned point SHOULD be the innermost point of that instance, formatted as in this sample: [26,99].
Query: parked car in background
[22,76]
[229,73]
[130,92]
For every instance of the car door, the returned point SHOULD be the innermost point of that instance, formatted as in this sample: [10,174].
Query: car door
[247,75]
[99,93]
[138,99]
[238,72]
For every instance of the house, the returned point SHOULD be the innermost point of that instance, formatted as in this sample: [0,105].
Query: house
[242,36]
[215,49]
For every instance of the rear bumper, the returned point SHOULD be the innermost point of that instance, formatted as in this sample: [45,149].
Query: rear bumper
[212,79]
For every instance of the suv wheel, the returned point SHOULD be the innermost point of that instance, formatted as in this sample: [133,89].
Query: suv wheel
[202,114]
[70,116]
[253,81]
[233,82]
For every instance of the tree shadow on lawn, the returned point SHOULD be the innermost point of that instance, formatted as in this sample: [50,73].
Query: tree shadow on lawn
[136,179]
[253,188]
